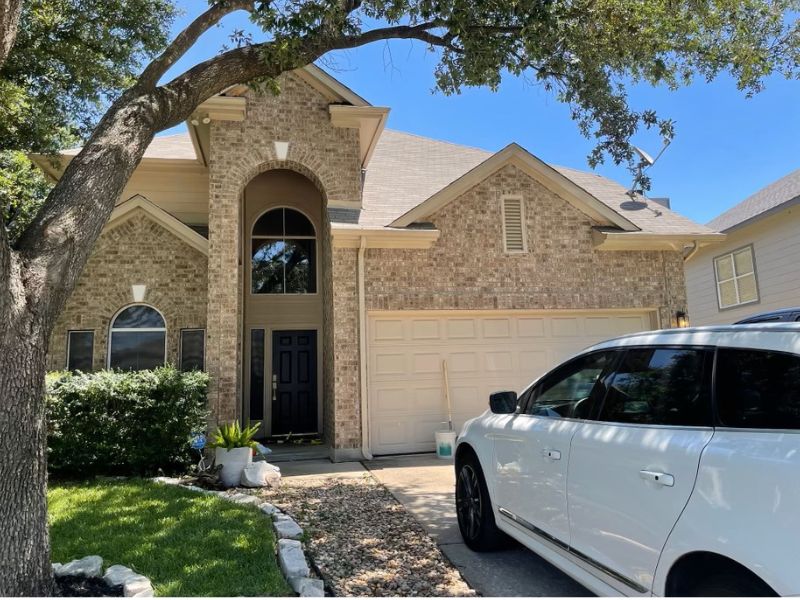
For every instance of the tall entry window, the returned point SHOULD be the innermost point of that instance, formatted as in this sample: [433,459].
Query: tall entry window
[284,253]
[137,339]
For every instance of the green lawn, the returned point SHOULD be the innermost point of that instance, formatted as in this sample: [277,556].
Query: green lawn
[186,543]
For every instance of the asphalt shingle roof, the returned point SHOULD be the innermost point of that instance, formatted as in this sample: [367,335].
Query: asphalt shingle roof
[406,169]
[774,195]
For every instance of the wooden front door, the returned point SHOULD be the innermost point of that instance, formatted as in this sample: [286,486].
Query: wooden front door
[294,382]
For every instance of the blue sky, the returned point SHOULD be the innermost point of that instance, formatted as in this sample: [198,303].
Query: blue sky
[726,147]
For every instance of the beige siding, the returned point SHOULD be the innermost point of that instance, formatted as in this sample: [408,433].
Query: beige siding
[181,192]
[776,246]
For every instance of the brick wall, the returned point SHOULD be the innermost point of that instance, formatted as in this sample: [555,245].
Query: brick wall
[328,156]
[468,269]
[137,251]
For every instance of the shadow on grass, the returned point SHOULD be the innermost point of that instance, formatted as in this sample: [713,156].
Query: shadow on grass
[187,544]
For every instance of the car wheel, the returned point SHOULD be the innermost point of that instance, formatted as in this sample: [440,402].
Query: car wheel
[474,509]
[731,583]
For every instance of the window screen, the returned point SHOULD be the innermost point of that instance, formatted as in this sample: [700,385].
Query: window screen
[659,386]
[138,339]
[80,350]
[193,351]
[758,389]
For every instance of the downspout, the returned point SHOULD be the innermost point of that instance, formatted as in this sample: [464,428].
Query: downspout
[362,349]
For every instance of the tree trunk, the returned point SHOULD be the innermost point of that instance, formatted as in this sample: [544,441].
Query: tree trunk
[9,22]
[25,549]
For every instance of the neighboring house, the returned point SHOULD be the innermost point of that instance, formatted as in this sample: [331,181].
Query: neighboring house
[321,268]
[757,268]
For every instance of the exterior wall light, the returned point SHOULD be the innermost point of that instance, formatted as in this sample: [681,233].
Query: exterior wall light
[681,319]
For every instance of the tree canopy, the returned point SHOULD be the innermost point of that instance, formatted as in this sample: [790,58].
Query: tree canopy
[70,59]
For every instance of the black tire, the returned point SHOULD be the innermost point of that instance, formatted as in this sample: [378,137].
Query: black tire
[731,583]
[474,508]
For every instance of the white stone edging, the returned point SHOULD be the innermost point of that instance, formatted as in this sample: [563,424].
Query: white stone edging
[291,556]
[133,584]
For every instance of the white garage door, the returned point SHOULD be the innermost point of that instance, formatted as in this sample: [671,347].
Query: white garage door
[485,352]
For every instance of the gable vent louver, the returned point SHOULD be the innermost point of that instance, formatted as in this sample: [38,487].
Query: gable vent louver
[513,224]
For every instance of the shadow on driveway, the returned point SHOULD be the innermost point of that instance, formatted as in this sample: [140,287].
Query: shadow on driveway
[424,485]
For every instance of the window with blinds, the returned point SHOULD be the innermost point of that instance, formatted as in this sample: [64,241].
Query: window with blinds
[514,224]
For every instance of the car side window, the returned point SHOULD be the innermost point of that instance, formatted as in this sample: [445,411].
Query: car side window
[758,389]
[566,393]
[660,386]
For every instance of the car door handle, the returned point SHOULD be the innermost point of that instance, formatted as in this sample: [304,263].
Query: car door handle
[657,477]
[551,454]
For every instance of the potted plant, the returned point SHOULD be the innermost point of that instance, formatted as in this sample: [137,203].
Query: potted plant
[234,450]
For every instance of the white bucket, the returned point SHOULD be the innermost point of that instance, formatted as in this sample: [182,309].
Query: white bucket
[233,463]
[445,444]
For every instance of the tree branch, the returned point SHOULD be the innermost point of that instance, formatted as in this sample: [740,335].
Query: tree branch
[186,39]
[10,11]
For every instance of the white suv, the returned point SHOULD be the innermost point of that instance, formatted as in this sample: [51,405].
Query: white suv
[663,463]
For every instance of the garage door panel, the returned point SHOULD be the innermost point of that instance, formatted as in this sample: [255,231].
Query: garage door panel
[461,329]
[527,328]
[484,354]
[496,328]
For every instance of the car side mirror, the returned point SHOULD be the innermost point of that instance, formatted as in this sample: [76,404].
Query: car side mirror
[503,403]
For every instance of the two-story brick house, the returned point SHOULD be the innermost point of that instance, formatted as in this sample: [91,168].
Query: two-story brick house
[326,271]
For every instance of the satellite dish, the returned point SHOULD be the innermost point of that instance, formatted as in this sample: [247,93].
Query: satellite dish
[644,156]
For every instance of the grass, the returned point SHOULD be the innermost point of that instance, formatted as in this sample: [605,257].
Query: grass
[186,543]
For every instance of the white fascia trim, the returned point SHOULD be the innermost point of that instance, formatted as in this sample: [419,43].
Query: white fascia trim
[130,207]
[315,76]
[223,108]
[613,240]
[350,237]
[516,155]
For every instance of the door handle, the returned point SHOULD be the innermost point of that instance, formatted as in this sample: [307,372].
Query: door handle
[657,477]
[551,454]
[274,387]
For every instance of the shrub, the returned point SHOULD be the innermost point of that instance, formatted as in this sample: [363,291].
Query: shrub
[116,422]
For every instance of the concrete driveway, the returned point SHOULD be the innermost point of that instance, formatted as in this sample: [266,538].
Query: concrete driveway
[424,484]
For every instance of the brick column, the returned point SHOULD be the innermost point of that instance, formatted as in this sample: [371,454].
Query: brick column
[223,348]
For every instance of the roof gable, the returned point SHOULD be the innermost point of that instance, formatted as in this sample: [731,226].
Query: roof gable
[764,202]
[516,155]
[138,203]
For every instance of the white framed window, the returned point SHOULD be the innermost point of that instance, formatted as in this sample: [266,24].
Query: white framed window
[514,233]
[137,339]
[735,275]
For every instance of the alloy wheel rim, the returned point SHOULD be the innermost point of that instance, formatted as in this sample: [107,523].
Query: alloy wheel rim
[468,502]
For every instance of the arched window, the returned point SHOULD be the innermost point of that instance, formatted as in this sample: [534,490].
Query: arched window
[284,259]
[137,339]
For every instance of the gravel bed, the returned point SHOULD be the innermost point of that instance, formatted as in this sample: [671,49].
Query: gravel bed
[364,542]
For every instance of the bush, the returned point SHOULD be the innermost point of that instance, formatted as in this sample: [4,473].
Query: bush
[115,422]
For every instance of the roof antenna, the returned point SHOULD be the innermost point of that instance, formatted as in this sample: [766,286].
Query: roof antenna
[636,193]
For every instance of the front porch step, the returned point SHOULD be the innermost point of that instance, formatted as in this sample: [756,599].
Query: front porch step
[291,452]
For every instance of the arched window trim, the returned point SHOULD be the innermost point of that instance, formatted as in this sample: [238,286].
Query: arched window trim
[314,237]
[112,329]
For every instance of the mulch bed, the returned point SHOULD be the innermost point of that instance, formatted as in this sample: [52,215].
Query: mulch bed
[78,586]
[363,541]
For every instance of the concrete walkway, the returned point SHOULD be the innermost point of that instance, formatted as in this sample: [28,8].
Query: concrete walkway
[424,484]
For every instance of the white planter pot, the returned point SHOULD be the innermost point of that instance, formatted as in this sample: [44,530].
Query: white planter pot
[233,463]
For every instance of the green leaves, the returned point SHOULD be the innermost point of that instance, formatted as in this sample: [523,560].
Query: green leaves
[72,57]
[115,422]
[23,189]
[231,435]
